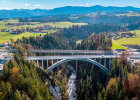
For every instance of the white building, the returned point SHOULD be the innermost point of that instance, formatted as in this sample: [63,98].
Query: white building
[1,67]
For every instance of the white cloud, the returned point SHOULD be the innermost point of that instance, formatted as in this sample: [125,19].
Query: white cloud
[37,5]
[27,5]
[4,8]
[87,5]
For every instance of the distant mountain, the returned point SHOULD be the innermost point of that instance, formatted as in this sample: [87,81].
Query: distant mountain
[67,10]
[22,13]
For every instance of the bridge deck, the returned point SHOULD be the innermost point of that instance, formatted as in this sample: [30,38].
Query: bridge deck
[69,57]
[78,57]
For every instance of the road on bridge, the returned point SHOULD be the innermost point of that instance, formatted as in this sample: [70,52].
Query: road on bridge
[136,56]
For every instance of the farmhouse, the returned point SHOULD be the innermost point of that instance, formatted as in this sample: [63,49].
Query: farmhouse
[127,35]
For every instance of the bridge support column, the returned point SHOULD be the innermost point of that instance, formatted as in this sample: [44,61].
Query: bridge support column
[42,64]
[37,63]
[76,65]
[105,62]
[109,63]
[100,60]
[47,63]
[52,61]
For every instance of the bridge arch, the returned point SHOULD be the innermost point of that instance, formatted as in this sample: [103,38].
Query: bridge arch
[87,60]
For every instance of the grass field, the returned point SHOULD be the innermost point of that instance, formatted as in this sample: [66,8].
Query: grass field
[56,24]
[6,36]
[130,41]
[64,24]
[116,46]
[130,13]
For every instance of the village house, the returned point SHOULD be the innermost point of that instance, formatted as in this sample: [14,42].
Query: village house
[7,43]
[1,68]
[127,35]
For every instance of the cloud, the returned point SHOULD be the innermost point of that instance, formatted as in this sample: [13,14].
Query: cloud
[5,8]
[87,5]
[27,5]
[37,5]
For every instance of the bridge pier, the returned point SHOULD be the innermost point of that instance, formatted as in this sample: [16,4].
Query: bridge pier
[76,65]
[52,62]
[105,62]
[109,63]
[37,63]
[42,64]
[47,63]
[100,60]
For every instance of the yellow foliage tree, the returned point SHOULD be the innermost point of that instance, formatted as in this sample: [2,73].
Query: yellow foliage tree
[15,70]
[111,82]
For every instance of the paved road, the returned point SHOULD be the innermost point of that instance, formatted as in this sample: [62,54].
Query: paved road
[136,56]
[69,57]
[72,51]
[64,51]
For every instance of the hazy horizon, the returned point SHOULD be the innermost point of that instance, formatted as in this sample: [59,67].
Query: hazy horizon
[66,6]
[47,4]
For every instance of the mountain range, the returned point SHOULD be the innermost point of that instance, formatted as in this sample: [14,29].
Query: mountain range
[67,10]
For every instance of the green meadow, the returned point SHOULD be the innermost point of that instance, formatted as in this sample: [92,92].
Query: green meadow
[6,36]
[116,46]
[130,41]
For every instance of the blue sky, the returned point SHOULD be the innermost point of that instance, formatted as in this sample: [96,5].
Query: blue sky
[49,4]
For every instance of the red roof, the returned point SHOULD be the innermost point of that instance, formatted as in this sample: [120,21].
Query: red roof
[127,33]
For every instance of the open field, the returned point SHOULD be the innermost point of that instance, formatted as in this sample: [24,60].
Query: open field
[130,13]
[6,36]
[130,41]
[56,24]
[64,24]
[116,46]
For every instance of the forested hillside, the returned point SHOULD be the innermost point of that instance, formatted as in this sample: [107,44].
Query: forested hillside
[51,41]
[96,18]
[123,82]
[21,81]
[82,32]
[95,42]
[95,37]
